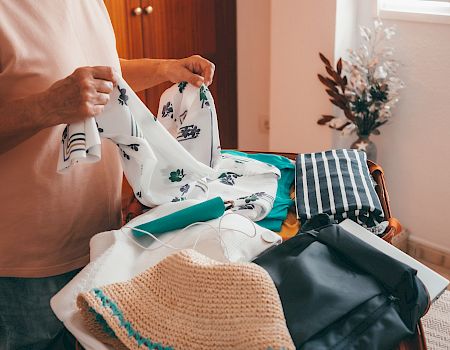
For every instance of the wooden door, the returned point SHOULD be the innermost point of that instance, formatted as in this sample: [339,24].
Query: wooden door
[178,29]
[127,29]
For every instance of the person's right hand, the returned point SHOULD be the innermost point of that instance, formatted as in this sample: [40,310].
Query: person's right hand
[81,95]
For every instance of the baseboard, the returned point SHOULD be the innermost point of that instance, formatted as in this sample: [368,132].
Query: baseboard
[428,252]
[401,240]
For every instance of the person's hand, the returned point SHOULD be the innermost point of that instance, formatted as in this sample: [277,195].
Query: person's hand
[195,70]
[82,94]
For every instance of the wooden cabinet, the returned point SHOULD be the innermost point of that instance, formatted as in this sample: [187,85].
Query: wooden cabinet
[177,29]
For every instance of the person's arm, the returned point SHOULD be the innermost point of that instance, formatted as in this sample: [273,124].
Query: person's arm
[20,120]
[145,73]
[81,95]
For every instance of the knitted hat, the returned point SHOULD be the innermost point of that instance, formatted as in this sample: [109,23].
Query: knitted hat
[188,301]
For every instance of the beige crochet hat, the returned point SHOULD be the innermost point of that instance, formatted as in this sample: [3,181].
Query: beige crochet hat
[188,301]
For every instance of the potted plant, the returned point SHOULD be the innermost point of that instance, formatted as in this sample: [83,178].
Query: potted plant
[365,87]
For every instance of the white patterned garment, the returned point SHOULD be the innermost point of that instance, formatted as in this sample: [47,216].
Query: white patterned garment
[190,117]
[171,158]
[157,167]
[248,184]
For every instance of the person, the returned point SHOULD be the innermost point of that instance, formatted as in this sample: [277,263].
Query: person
[58,65]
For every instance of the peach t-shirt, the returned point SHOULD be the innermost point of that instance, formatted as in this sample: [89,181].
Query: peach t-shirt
[46,218]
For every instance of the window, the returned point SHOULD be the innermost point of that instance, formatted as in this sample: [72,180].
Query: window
[435,11]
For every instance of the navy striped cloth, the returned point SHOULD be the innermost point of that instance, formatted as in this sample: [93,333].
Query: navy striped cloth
[337,183]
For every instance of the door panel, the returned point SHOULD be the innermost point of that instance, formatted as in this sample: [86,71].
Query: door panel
[181,28]
[226,71]
[127,27]
[177,28]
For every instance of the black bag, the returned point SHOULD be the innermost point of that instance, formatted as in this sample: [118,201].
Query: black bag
[338,292]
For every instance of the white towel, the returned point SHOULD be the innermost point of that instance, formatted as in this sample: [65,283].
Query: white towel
[157,167]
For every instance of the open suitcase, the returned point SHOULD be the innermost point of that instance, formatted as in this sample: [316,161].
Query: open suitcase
[131,208]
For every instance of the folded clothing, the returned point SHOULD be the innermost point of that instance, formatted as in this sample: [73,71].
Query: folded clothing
[337,183]
[188,301]
[274,220]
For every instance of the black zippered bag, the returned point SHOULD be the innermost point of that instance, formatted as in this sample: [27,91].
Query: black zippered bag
[338,292]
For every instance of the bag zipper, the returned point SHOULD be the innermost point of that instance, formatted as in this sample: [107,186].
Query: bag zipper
[343,344]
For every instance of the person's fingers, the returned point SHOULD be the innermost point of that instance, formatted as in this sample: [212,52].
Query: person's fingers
[104,73]
[103,86]
[207,69]
[209,75]
[97,110]
[91,110]
[192,78]
[100,99]
[202,66]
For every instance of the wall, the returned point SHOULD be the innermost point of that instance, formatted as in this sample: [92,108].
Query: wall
[278,44]
[346,36]
[346,21]
[414,149]
[253,46]
[299,30]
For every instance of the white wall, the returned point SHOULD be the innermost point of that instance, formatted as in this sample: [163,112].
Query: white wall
[299,30]
[414,149]
[346,21]
[278,43]
[253,50]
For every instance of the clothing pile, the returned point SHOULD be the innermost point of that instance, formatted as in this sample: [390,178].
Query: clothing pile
[320,291]
[172,162]
[192,285]
[117,256]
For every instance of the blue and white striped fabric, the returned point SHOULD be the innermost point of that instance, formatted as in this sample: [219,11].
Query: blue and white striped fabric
[337,183]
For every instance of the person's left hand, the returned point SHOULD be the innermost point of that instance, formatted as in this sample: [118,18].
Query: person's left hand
[194,69]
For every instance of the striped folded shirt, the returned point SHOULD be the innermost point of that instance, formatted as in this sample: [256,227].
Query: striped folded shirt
[337,183]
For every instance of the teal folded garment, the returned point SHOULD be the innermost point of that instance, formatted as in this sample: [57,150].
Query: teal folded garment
[283,201]
[204,211]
